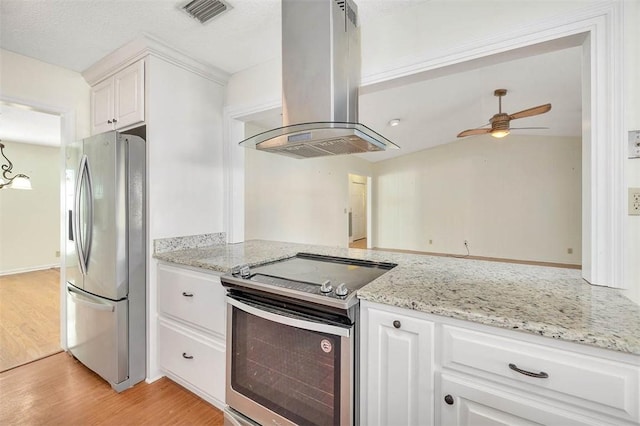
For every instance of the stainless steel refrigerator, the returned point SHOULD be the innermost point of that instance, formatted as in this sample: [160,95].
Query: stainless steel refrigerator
[105,256]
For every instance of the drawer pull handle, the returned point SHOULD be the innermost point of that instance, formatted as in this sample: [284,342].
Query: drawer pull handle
[448,399]
[185,356]
[397,324]
[185,294]
[540,375]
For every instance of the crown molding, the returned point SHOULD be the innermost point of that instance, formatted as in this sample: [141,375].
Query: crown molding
[144,46]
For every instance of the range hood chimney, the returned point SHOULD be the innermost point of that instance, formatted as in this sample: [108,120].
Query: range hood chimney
[320,80]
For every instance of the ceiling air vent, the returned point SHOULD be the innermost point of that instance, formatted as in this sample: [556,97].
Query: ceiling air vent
[205,10]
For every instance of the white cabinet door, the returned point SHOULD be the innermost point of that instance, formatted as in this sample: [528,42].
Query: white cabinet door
[399,365]
[129,95]
[118,101]
[102,107]
[471,403]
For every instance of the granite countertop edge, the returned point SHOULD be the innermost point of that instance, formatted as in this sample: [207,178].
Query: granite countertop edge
[544,301]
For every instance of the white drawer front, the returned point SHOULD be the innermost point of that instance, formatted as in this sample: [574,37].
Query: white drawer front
[194,297]
[196,360]
[600,384]
[476,403]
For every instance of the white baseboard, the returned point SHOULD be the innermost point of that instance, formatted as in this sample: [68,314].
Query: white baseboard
[29,269]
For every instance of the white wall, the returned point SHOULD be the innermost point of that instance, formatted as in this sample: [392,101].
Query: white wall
[46,86]
[30,220]
[430,28]
[300,201]
[254,86]
[517,198]
[184,143]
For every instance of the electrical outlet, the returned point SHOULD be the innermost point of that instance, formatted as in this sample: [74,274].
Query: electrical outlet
[58,253]
[634,201]
[634,144]
[570,250]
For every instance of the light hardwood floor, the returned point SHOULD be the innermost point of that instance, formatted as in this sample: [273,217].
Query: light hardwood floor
[29,317]
[59,390]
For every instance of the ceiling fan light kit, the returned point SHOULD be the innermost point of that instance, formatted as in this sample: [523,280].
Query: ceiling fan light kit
[499,133]
[500,122]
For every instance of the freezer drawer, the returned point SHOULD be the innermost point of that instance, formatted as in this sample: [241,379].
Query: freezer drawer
[97,334]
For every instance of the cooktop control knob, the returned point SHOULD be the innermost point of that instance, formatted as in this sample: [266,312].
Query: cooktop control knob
[342,290]
[326,287]
[245,272]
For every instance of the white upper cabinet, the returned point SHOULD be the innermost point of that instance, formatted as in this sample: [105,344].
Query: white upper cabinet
[118,101]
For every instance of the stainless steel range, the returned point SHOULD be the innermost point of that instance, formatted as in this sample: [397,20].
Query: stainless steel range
[291,340]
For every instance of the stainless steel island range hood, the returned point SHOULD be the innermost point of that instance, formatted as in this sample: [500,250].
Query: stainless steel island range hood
[320,80]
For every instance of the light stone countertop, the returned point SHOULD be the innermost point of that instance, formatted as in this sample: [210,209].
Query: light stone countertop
[547,301]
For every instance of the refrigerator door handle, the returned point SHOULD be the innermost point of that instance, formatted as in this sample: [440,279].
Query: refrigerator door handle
[83,300]
[90,218]
[83,242]
[76,208]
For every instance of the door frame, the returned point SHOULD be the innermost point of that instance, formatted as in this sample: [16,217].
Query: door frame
[368,208]
[67,135]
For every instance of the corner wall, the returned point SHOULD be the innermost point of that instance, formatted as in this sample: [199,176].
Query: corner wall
[184,168]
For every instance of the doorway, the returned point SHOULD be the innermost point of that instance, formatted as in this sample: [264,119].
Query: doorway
[359,211]
[30,224]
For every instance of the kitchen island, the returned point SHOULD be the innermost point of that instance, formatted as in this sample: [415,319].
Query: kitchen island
[445,340]
[545,301]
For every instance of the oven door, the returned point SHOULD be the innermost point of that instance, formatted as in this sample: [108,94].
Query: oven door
[287,369]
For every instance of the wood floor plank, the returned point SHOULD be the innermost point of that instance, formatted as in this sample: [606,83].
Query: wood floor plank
[29,316]
[59,390]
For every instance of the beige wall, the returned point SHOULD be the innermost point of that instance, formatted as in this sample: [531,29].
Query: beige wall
[29,220]
[515,198]
[301,201]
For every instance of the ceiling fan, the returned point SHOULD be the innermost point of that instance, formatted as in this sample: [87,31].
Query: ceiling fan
[500,121]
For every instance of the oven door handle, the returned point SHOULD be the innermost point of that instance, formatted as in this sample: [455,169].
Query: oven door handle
[294,322]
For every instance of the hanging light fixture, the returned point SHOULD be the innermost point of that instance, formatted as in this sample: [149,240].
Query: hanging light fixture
[18,181]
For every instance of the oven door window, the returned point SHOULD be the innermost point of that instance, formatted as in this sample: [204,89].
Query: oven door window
[291,371]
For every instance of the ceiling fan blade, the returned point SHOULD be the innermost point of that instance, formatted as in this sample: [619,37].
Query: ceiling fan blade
[472,132]
[540,109]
